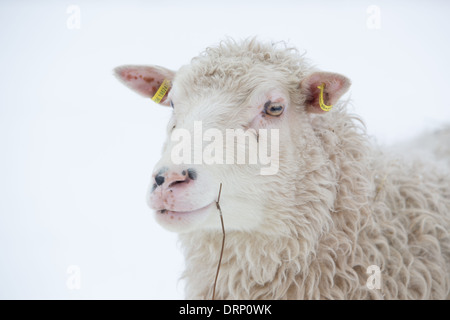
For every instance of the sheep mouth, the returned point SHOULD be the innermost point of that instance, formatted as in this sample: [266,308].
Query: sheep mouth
[165,211]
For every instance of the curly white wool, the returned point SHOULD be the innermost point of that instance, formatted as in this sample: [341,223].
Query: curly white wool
[353,206]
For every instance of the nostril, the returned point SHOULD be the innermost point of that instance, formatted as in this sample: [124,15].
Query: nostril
[159,180]
[192,174]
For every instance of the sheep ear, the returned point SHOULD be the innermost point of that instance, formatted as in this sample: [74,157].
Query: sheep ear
[145,80]
[335,85]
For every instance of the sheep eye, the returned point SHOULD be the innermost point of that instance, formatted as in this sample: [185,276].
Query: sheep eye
[171,104]
[274,110]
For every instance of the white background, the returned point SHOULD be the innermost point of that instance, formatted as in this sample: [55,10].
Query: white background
[77,148]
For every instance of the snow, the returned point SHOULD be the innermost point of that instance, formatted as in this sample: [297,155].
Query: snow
[77,147]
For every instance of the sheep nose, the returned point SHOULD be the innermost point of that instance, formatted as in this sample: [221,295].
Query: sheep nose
[171,178]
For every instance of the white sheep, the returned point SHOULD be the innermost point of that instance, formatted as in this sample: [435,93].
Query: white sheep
[339,219]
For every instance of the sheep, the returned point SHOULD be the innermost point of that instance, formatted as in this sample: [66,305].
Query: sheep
[341,218]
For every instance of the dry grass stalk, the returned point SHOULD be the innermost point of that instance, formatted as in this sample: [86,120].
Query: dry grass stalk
[223,242]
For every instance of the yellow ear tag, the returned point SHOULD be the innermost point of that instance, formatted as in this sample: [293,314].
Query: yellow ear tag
[323,106]
[165,86]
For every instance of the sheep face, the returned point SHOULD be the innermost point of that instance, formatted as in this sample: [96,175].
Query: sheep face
[239,121]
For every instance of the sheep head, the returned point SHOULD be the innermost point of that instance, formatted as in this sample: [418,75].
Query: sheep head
[241,116]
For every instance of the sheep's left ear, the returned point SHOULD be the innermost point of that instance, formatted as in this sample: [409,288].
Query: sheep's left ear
[146,80]
[335,85]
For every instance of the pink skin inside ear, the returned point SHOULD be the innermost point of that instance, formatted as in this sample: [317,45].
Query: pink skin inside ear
[335,86]
[144,80]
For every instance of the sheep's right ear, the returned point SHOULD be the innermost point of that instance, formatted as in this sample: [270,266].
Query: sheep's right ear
[145,80]
[334,86]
